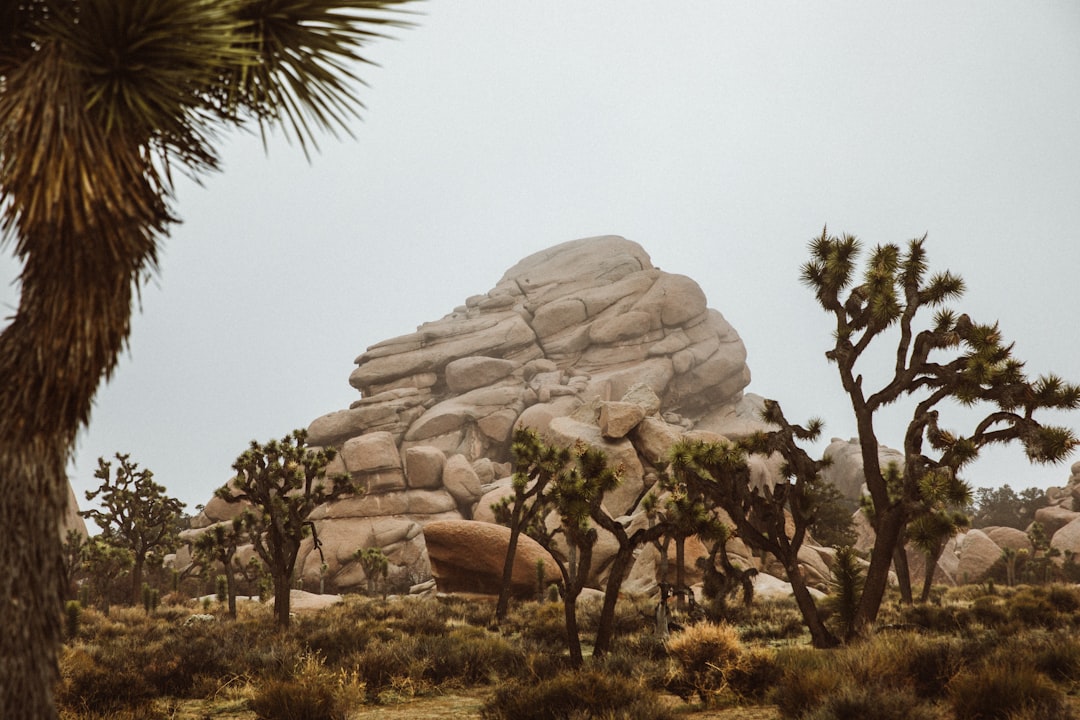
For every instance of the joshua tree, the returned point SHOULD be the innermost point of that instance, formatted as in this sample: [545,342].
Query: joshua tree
[535,465]
[219,544]
[719,474]
[100,100]
[954,359]
[105,563]
[135,514]
[376,566]
[284,481]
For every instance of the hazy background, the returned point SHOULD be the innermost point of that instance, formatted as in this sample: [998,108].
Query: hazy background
[721,136]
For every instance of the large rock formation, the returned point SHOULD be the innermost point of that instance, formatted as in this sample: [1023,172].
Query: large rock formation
[584,341]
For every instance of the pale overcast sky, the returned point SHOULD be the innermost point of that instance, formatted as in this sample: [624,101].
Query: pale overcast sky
[721,136]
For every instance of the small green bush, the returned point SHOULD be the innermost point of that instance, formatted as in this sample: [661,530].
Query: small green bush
[575,694]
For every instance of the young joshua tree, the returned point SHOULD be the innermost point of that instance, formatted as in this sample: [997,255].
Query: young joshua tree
[283,480]
[951,359]
[219,544]
[135,514]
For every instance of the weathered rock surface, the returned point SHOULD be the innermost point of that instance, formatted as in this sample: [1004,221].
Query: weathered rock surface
[846,470]
[587,342]
[468,556]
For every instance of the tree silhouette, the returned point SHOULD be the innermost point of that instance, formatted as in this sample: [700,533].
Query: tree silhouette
[535,465]
[953,359]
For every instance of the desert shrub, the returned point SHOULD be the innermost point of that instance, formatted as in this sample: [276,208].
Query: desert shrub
[541,623]
[989,611]
[1032,608]
[575,694]
[704,655]
[632,615]
[470,611]
[92,683]
[937,618]
[294,700]
[995,690]
[859,702]
[420,617]
[755,675]
[468,655]
[311,692]
[809,677]
[1063,598]
[1059,658]
[931,663]
[378,664]
[335,641]
[769,620]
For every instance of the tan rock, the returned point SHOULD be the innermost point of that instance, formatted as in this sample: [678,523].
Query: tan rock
[846,470]
[373,452]
[461,481]
[306,602]
[470,373]
[1054,517]
[424,467]
[468,556]
[653,439]
[1008,537]
[978,553]
[483,511]
[1067,538]
[620,453]
[617,419]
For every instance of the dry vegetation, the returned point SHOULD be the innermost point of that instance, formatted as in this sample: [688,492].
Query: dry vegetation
[979,653]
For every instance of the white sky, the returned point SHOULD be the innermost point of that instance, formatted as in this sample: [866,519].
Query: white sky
[721,136]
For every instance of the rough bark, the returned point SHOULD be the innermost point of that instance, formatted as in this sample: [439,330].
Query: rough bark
[819,634]
[73,317]
[33,485]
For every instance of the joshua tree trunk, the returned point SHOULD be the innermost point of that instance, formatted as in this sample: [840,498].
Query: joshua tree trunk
[605,629]
[282,588]
[819,634]
[932,558]
[888,531]
[65,337]
[31,479]
[503,604]
[903,572]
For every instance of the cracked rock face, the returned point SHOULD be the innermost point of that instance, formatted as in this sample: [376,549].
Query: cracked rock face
[583,320]
[586,340]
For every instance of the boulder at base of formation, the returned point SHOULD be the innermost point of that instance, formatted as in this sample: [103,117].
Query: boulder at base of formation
[468,556]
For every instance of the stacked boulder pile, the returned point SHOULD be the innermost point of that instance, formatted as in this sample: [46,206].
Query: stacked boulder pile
[585,341]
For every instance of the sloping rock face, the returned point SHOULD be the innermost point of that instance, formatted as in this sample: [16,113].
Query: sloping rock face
[584,341]
[586,319]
